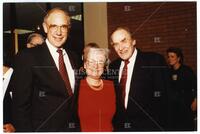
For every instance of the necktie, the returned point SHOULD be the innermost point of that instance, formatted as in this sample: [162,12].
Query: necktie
[63,72]
[123,81]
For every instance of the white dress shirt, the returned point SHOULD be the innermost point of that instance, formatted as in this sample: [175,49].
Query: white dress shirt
[6,80]
[55,55]
[130,67]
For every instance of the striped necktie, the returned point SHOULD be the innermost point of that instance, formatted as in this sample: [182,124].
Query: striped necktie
[63,72]
[123,80]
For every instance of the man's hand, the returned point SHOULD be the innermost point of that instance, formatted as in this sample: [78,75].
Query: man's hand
[194,105]
[8,128]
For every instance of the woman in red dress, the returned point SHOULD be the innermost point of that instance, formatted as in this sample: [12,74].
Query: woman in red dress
[97,98]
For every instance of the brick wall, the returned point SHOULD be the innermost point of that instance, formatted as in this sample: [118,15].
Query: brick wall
[157,26]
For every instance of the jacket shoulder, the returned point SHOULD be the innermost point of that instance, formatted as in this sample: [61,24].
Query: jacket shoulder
[187,70]
[151,55]
[115,64]
[153,58]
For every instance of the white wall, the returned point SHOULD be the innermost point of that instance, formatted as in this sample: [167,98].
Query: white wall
[95,23]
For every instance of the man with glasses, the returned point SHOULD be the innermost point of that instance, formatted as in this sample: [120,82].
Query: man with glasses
[142,78]
[44,81]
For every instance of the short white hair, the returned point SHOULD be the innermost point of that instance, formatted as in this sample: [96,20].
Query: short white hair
[105,52]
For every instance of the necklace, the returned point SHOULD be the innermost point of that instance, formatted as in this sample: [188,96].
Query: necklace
[94,84]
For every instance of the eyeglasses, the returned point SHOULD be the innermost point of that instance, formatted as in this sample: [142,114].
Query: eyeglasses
[99,63]
[54,28]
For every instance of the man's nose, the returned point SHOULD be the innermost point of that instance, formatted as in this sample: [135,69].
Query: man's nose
[120,47]
[59,31]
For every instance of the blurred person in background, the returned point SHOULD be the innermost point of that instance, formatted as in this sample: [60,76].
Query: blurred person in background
[34,40]
[183,94]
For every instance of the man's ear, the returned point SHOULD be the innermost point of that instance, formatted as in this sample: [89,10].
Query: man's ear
[45,27]
[84,65]
[179,59]
[134,42]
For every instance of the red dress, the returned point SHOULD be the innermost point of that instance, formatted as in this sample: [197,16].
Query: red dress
[96,108]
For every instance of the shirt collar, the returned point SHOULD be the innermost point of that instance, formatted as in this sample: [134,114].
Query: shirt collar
[133,56]
[53,48]
[8,73]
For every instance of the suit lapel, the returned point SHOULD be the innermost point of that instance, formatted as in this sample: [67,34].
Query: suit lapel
[74,67]
[134,77]
[47,56]
[51,69]
[71,59]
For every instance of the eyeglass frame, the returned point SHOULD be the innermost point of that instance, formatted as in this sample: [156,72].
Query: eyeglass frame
[66,27]
[99,63]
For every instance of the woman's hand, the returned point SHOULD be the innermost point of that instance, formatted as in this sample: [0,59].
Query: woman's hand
[8,128]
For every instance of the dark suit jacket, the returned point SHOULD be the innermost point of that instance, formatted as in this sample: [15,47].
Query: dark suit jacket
[147,97]
[40,98]
[7,108]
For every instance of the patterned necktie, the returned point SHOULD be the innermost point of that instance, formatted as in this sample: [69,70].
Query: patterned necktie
[63,72]
[123,80]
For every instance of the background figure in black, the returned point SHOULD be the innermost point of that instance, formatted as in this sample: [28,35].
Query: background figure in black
[183,95]
[34,40]
[7,99]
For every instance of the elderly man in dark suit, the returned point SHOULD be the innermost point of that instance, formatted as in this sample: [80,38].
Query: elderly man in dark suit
[44,81]
[143,81]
